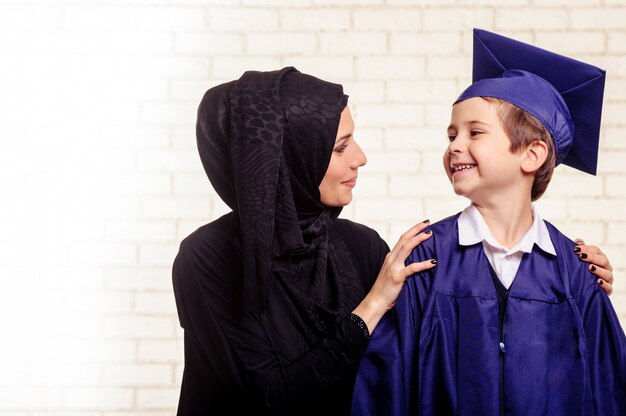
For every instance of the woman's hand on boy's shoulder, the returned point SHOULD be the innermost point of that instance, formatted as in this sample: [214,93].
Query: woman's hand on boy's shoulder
[599,264]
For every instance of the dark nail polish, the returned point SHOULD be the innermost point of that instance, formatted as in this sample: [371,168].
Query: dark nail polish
[426,221]
[433,261]
[576,249]
[601,282]
[593,268]
[583,256]
[427,232]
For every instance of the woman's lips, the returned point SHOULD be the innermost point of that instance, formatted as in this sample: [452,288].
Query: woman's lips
[351,183]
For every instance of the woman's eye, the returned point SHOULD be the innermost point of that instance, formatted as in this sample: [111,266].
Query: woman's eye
[451,138]
[341,148]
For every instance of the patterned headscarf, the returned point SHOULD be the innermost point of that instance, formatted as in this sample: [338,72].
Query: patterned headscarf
[265,141]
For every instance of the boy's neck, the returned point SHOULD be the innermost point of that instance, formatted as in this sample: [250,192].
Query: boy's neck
[508,221]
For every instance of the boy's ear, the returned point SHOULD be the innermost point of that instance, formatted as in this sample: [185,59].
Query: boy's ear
[534,156]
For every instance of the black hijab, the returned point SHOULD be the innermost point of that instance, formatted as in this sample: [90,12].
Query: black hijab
[265,142]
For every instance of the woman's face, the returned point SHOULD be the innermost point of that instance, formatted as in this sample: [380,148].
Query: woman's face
[347,157]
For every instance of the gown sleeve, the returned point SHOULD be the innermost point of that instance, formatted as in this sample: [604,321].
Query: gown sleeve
[606,346]
[387,381]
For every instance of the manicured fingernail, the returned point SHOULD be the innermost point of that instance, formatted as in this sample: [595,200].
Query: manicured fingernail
[576,249]
[600,282]
[592,268]
[583,256]
[433,261]
[427,232]
[425,221]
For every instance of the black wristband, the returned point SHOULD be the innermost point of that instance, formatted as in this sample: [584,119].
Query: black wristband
[361,324]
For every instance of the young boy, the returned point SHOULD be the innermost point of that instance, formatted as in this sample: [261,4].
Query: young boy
[509,322]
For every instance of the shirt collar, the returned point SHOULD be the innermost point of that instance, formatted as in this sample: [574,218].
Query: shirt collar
[473,230]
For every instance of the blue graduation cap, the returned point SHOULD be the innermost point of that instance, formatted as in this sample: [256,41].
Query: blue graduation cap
[565,95]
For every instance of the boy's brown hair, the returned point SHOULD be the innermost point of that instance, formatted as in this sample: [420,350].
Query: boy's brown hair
[523,129]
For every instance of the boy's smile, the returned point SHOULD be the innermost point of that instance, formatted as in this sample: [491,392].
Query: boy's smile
[478,161]
[458,168]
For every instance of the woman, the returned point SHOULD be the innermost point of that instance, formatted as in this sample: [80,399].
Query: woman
[278,297]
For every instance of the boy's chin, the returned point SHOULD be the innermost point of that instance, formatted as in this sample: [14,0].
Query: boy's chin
[462,192]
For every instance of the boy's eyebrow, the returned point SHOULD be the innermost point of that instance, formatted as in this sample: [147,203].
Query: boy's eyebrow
[478,122]
[469,123]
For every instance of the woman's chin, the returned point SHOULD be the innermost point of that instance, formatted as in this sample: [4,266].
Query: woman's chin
[339,201]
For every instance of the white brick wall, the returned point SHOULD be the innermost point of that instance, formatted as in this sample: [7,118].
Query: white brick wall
[100,177]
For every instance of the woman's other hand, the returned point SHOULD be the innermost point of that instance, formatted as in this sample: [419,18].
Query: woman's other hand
[599,264]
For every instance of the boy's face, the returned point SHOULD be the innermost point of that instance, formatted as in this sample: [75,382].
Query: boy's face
[478,161]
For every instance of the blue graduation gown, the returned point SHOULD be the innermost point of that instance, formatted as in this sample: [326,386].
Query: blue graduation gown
[559,348]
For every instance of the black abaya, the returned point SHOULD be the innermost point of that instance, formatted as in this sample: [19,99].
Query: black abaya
[232,365]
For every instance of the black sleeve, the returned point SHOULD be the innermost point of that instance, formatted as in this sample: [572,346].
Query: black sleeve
[316,375]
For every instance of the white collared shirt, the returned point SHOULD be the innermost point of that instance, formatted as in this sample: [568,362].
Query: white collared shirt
[505,262]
